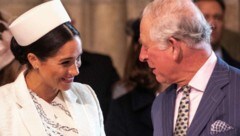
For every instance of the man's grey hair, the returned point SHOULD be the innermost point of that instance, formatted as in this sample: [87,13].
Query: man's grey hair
[180,19]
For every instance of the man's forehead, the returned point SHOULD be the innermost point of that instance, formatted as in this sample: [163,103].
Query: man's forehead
[208,8]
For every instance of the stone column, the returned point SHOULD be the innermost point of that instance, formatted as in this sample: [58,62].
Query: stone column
[107,30]
[231,36]
[135,8]
[232,17]
[239,15]
[74,9]
[14,8]
[134,11]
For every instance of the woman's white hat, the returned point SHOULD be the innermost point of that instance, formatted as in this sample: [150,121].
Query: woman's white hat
[38,21]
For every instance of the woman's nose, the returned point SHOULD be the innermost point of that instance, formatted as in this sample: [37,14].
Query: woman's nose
[74,71]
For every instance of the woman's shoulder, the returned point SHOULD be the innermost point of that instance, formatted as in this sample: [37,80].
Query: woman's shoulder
[6,94]
[84,91]
[81,88]
[5,89]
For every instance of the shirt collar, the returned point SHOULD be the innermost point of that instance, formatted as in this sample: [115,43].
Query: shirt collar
[201,78]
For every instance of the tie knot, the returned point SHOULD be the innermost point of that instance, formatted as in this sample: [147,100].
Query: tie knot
[186,89]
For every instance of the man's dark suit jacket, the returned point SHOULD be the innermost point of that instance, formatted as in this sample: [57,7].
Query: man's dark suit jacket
[220,102]
[227,58]
[98,71]
[130,115]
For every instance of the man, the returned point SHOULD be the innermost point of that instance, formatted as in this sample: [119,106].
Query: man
[214,11]
[175,41]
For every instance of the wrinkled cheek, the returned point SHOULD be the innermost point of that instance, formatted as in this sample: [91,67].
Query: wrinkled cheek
[152,58]
[160,78]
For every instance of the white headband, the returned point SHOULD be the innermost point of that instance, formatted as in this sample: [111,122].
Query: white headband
[38,21]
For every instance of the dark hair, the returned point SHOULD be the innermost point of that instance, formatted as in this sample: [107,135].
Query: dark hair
[137,73]
[220,2]
[45,47]
[133,29]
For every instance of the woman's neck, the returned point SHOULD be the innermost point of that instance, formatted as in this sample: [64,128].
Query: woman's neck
[38,86]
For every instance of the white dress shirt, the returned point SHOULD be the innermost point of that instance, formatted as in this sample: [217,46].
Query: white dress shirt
[198,85]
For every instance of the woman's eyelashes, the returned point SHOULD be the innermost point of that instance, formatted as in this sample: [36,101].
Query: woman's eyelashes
[69,62]
[66,63]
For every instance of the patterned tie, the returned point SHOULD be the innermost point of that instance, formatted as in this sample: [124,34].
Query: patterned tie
[183,113]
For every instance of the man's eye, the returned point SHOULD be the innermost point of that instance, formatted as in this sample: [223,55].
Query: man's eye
[65,62]
[218,17]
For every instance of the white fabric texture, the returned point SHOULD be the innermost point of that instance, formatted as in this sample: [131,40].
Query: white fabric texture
[55,116]
[19,116]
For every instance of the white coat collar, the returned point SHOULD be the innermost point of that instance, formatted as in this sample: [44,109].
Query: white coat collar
[76,105]
[77,109]
[27,110]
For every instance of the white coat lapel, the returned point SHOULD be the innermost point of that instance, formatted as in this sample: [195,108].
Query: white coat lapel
[27,110]
[78,112]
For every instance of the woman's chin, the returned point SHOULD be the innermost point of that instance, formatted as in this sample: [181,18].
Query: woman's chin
[66,87]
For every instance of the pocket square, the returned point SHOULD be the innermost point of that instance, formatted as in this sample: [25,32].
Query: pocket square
[219,126]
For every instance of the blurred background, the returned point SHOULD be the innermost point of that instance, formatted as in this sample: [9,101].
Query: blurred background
[102,24]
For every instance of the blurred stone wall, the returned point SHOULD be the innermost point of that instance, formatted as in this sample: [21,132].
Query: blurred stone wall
[102,23]
[231,35]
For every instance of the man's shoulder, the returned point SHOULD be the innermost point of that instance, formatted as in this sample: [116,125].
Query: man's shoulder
[224,66]
[97,66]
[230,60]
[167,93]
[234,74]
[96,57]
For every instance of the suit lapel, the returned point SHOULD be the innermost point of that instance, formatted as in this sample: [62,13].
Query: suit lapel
[168,110]
[212,96]
[142,100]
[27,110]
[78,112]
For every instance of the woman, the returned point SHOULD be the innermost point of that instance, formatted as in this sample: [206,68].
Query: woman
[44,100]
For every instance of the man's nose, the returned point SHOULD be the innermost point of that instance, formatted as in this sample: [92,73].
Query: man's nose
[212,23]
[143,56]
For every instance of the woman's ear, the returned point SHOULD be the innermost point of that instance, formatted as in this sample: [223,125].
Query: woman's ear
[176,49]
[33,60]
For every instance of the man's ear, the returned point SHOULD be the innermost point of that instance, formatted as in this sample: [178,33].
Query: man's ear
[176,48]
[33,60]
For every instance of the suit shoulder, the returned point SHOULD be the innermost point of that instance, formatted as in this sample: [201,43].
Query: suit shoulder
[123,100]
[169,91]
[91,54]
[234,71]
[97,57]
